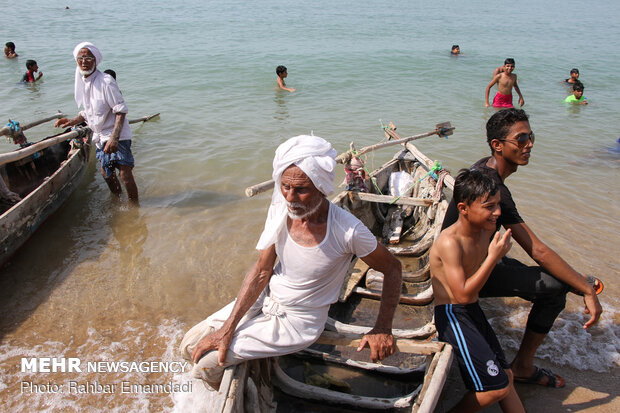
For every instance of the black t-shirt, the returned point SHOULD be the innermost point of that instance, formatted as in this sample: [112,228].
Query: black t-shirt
[509,216]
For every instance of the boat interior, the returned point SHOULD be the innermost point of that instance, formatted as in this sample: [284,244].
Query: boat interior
[25,175]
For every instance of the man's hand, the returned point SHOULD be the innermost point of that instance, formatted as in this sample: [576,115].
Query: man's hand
[62,123]
[218,340]
[381,344]
[111,146]
[521,101]
[593,307]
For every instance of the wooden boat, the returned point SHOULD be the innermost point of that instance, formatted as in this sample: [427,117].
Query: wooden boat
[331,376]
[44,175]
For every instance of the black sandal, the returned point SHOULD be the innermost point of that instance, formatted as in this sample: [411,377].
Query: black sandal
[553,380]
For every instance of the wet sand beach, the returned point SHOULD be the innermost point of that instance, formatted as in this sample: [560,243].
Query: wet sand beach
[584,392]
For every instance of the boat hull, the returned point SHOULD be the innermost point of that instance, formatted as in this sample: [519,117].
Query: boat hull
[18,223]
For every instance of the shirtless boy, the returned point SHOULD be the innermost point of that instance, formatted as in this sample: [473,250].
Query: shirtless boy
[281,72]
[461,261]
[506,81]
[574,76]
[33,68]
[9,50]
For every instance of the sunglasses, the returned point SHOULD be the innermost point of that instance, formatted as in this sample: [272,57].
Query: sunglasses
[85,59]
[521,139]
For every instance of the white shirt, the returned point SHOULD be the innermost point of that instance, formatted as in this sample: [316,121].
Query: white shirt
[102,100]
[312,276]
[290,314]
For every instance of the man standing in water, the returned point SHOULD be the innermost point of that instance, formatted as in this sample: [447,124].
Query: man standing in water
[283,310]
[105,112]
[511,141]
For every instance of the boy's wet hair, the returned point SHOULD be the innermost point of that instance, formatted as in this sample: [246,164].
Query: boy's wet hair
[280,69]
[574,70]
[110,72]
[501,121]
[577,87]
[10,45]
[509,61]
[472,184]
[455,46]
[30,64]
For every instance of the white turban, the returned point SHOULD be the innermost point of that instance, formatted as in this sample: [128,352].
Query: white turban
[78,91]
[316,158]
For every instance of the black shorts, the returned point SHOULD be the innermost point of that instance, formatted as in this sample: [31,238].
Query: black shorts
[481,359]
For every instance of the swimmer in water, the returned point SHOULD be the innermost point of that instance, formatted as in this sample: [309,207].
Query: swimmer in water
[33,68]
[577,97]
[9,50]
[574,76]
[282,74]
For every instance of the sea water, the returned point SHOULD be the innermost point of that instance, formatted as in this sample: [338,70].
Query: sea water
[100,282]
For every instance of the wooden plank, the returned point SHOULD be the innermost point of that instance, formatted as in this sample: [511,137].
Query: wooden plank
[402,344]
[227,379]
[234,399]
[365,365]
[352,279]
[422,298]
[428,400]
[22,153]
[423,332]
[5,130]
[427,379]
[388,199]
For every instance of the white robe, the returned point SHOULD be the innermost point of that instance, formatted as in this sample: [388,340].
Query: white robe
[291,313]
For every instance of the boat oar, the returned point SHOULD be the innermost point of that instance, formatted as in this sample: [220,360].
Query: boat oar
[143,119]
[22,153]
[5,130]
[441,129]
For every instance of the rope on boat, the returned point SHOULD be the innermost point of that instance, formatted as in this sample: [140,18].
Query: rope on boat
[437,195]
[372,178]
[433,174]
[13,129]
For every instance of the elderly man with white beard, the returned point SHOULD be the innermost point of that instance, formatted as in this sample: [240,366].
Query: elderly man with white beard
[104,111]
[281,310]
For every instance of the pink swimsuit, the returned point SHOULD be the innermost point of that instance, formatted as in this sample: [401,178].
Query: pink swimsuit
[502,101]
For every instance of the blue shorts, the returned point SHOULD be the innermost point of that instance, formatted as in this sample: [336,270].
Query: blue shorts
[480,356]
[110,161]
